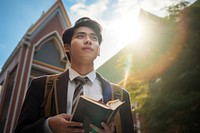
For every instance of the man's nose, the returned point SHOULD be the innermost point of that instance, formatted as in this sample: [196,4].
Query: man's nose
[88,40]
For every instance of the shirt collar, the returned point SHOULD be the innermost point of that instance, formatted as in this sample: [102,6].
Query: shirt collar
[73,74]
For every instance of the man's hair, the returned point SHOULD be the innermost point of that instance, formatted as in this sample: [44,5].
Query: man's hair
[82,22]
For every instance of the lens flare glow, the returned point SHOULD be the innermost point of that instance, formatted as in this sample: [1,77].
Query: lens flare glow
[127,30]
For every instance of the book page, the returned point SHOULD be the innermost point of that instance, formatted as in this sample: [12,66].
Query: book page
[114,104]
[95,102]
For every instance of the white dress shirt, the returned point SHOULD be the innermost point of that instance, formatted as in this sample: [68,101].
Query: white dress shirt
[91,89]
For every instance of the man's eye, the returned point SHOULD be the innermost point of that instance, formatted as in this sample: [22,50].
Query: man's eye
[80,36]
[94,38]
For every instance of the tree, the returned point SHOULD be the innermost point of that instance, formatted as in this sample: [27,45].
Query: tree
[173,103]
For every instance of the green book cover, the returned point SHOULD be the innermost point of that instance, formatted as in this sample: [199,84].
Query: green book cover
[89,111]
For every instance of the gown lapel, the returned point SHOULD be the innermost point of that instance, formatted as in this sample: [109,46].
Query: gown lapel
[106,88]
[62,85]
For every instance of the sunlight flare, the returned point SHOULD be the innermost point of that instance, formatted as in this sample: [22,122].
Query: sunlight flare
[127,30]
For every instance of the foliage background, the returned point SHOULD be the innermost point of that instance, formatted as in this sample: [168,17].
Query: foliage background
[169,102]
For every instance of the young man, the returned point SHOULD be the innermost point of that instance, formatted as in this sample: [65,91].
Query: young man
[82,46]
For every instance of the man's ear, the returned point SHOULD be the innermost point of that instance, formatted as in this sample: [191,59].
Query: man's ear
[66,48]
[98,52]
[67,51]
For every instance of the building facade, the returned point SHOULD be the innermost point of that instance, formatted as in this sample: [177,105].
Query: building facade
[31,58]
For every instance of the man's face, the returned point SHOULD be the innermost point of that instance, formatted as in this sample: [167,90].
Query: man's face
[84,45]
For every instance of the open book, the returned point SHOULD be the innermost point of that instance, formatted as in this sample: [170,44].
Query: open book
[89,111]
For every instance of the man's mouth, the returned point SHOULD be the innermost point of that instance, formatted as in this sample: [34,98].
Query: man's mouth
[87,49]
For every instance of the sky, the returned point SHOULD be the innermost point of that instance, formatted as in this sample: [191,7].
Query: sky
[117,17]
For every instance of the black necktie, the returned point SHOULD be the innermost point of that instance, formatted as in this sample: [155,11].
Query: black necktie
[79,82]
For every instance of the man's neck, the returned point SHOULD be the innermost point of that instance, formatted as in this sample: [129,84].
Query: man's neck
[82,69]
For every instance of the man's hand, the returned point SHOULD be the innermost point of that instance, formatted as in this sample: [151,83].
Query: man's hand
[61,124]
[107,128]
